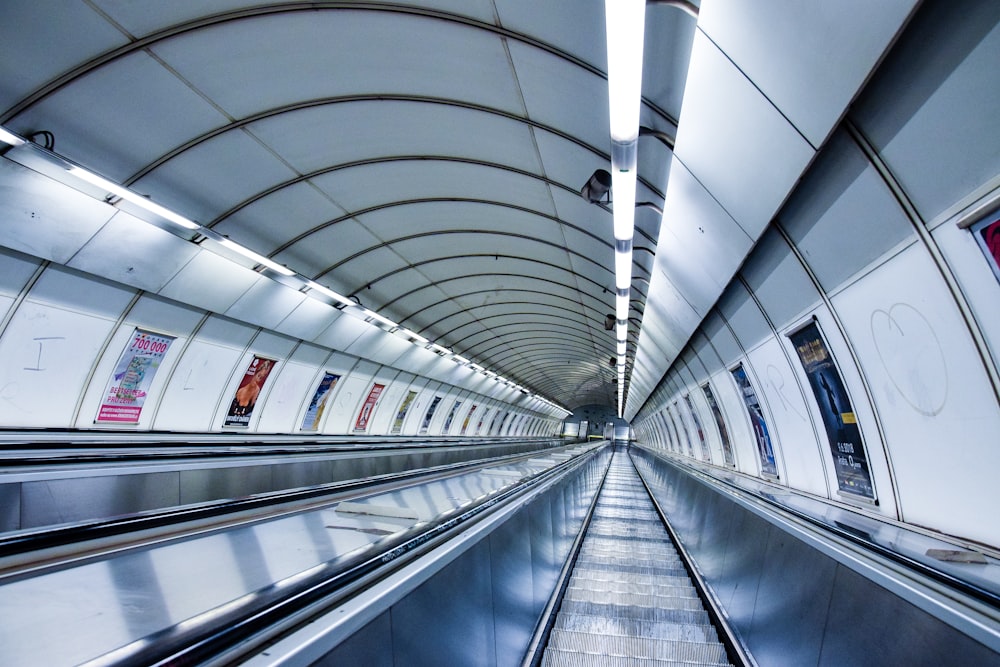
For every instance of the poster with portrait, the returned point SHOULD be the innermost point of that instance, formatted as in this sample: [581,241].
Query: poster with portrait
[987,233]
[425,425]
[850,458]
[720,422]
[247,393]
[764,448]
[367,408]
[404,407]
[317,406]
[468,417]
[451,416]
[128,386]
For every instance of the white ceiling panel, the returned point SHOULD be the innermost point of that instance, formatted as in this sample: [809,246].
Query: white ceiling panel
[786,49]
[546,79]
[271,220]
[735,142]
[382,183]
[124,250]
[576,28]
[139,20]
[78,32]
[212,177]
[334,134]
[314,254]
[243,65]
[153,112]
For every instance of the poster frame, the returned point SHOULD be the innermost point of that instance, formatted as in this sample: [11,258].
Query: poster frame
[322,401]
[367,410]
[990,220]
[231,419]
[402,411]
[768,431]
[145,380]
[821,426]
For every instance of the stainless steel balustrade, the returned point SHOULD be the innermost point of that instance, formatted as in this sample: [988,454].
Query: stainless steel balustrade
[186,595]
[72,485]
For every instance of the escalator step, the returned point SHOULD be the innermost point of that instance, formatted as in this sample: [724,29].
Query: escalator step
[640,647]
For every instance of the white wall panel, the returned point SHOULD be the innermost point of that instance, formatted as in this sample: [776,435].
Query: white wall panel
[291,389]
[351,391]
[47,353]
[394,391]
[228,282]
[195,388]
[266,303]
[735,410]
[977,281]
[789,422]
[877,463]
[308,320]
[939,414]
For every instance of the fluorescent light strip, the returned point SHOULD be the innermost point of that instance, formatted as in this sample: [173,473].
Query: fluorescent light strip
[378,318]
[623,191]
[135,198]
[623,270]
[625,27]
[250,254]
[10,138]
[326,291]
[621,306]
[414,335]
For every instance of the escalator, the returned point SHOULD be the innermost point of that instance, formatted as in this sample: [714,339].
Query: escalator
[629,600]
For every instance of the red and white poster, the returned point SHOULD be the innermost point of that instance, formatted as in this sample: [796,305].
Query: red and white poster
[245,399]
[365,415]
[129,383]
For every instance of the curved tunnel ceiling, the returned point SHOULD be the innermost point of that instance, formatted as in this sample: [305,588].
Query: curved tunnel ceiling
[426,160]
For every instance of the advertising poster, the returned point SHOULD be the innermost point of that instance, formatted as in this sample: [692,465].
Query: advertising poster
[850,459]
[465,423]
[129,382]
[317,406]
[706,454]
[426,424]
[720,422]
[482,418]
[681,427]
[764,448]
[246,394]
[451,416]
[367,408]
[987,235]
[404,407]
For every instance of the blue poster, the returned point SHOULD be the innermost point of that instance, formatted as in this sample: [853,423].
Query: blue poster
[850,460]
[314,413]
[764,448]
[720,422]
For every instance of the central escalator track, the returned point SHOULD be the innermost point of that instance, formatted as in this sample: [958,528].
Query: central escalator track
[629,599]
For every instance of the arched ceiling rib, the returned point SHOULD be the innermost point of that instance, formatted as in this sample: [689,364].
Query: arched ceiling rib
[427,159]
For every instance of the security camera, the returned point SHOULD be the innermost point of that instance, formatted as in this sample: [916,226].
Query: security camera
[597,187]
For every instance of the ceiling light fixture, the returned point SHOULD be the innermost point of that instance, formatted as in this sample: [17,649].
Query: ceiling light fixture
[133,197]
[256,257]
[10,138]
[625,26]
[326,291]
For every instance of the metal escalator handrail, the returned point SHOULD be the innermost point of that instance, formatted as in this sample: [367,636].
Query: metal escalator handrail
[24,542]
[985,595]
